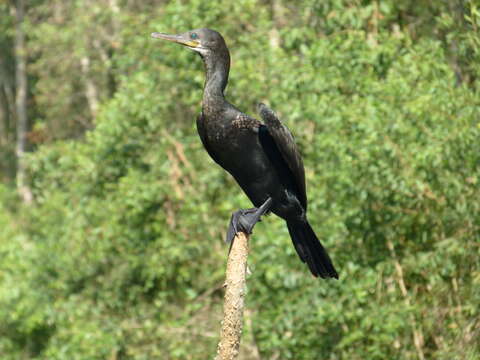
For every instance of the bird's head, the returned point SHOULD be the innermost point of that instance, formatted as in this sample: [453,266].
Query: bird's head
[203,41]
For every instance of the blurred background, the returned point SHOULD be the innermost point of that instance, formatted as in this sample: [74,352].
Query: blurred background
[112,215]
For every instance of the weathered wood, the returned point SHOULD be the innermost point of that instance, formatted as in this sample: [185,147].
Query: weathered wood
[235,287]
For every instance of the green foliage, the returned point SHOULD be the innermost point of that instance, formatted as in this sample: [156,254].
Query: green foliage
[121,256]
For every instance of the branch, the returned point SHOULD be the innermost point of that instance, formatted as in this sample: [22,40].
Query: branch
[229,344]
[417,333]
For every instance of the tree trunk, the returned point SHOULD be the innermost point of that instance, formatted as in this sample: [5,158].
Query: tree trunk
[21,101]
[91,92]
[6,103]
[4,117]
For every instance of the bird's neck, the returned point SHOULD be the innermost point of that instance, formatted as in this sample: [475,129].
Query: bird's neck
[217,69]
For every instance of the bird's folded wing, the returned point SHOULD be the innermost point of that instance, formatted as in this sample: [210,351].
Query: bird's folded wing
[286,146]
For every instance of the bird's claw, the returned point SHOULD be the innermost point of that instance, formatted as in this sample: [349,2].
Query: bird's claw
[245,219]
[241,220]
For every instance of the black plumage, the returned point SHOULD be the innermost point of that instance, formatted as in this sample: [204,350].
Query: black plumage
[262,157]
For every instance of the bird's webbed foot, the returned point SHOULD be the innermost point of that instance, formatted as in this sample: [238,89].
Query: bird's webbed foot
[245,219]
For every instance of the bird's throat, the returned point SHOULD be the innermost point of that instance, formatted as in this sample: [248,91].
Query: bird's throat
[217,69]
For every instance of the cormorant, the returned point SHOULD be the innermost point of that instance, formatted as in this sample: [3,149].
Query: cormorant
[262,157]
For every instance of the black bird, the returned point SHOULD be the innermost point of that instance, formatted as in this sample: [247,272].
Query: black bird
[262,157]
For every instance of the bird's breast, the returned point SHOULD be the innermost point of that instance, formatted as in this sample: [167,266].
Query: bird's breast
[230,132]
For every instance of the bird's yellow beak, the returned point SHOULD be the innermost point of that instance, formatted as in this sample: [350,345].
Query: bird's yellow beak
[179,39]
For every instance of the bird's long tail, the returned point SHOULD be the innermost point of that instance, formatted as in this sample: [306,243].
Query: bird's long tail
[310,250]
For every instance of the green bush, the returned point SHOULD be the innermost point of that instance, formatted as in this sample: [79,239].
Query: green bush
[121,256]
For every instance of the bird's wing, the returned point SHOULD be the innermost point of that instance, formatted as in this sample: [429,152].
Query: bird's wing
[283,150]
[203,136]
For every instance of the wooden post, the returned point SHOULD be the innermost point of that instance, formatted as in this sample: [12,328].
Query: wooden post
[235,287]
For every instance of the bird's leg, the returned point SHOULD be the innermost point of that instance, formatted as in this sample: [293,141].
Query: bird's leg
[245,219]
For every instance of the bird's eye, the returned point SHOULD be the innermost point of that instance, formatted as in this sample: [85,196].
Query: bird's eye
[193,36]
